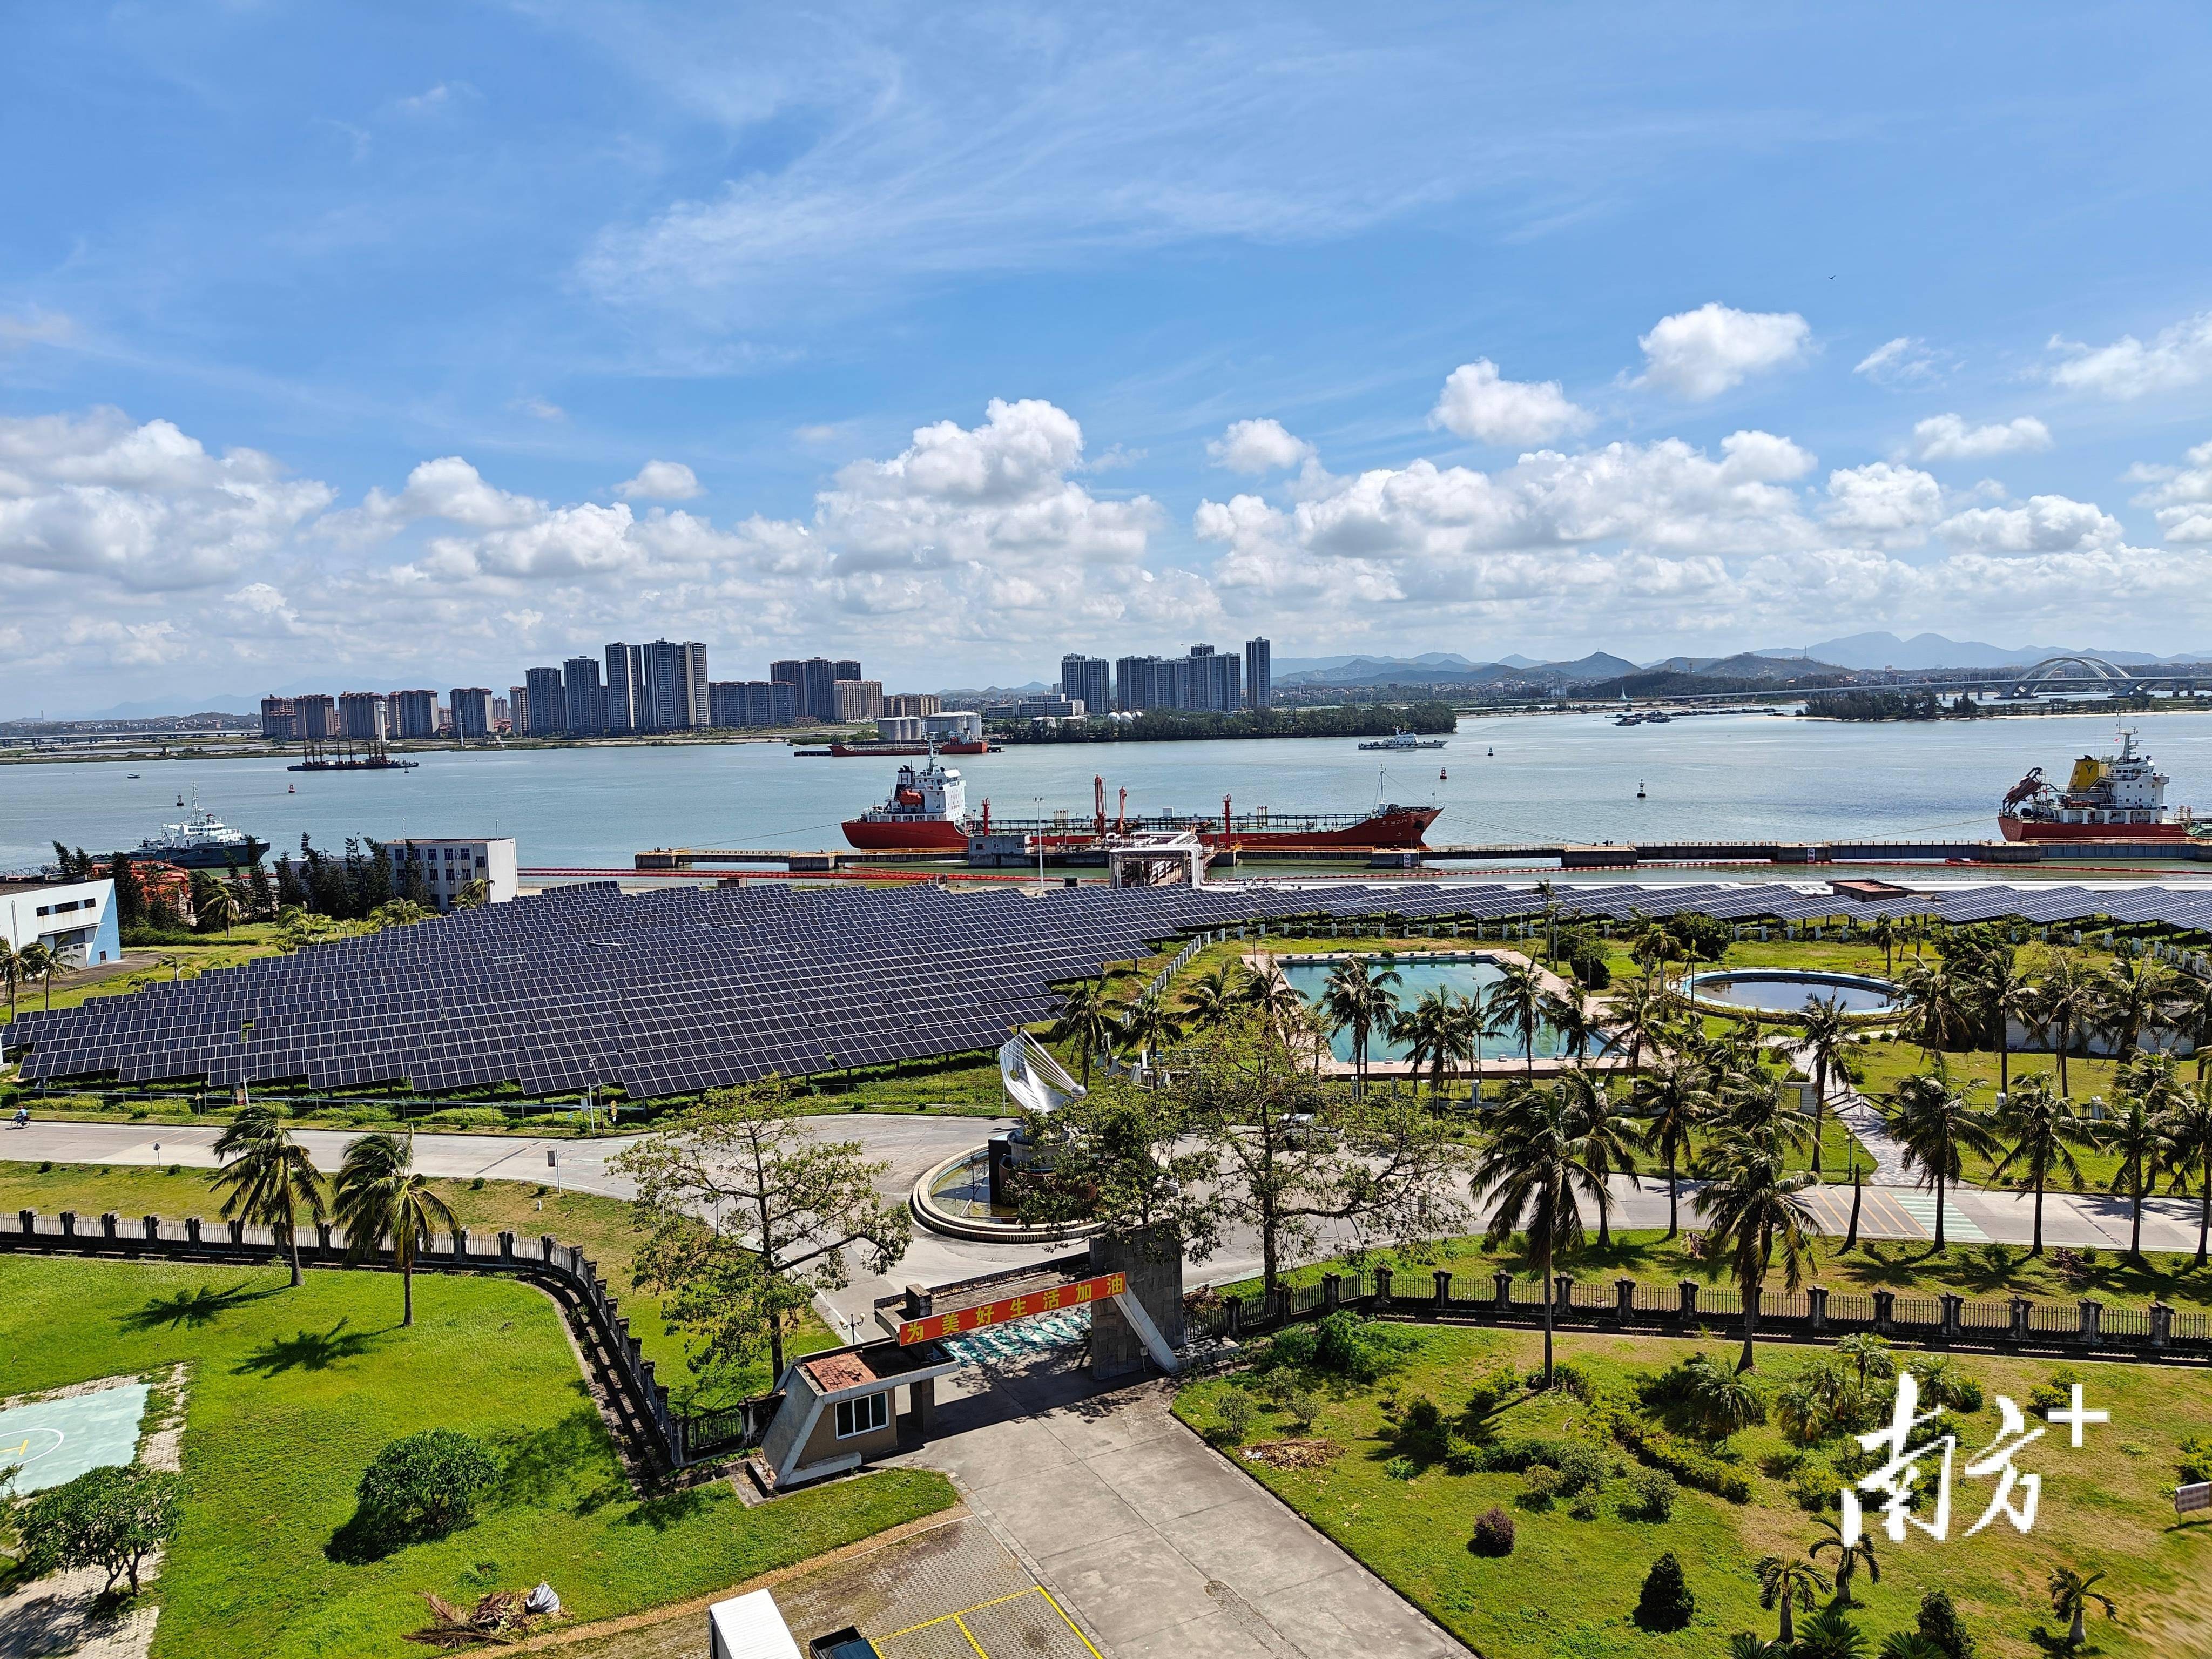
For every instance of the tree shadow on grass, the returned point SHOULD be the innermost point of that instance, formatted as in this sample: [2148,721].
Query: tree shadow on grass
[306,1351]
[201,1305]
[540,1465]
[670,1510]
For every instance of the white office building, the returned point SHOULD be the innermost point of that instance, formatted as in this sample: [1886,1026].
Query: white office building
[448,866]
[74,919]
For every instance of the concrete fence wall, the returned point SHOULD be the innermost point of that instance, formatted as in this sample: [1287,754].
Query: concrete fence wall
[669,1437]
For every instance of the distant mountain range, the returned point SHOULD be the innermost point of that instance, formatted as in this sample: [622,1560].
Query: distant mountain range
[1443,668]
[1934,651]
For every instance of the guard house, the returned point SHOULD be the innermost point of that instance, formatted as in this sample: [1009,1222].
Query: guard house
[846,1406]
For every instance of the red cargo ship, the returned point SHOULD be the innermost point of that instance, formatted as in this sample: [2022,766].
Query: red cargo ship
[2108,798]
[927,812]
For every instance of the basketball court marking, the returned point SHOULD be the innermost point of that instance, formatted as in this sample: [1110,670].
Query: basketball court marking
[1026,1640]
[52,1441]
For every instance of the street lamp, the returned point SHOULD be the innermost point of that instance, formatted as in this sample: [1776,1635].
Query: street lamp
[1038,802]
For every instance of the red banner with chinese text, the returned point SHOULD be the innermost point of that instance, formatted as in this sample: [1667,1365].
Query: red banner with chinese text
[1057,1299]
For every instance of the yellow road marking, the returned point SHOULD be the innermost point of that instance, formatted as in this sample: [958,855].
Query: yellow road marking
[970,1635]
[1062,1612]
[954,1618]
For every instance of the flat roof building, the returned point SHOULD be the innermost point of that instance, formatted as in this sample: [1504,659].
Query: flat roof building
[76,920]
[436,874]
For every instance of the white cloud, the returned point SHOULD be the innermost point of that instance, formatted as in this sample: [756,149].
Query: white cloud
[1882,500]
[1701,354]
[34,326]
[1903,360]
[2182,499]
[1477,403]
[1949,438]
[540,409]
[1256,446]
[661,480]
[2178,357]
[2047,524]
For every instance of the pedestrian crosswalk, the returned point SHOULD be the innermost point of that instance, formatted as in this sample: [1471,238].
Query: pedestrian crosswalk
[1958,1227]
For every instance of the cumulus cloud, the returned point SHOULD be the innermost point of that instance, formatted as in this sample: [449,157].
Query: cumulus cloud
[1882,500]
[1478,403]
[2176,358]
[1703,353]
[1257,446]
[2182,497]
[1949,438]
[2047,524]
[661,480]
[1903,360]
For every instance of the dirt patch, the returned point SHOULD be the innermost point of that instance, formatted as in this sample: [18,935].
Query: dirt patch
[1292,1454]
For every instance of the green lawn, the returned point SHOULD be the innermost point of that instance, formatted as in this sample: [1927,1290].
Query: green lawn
[1569,1585]
[292,1392]
[600,1225]
[1977,1272]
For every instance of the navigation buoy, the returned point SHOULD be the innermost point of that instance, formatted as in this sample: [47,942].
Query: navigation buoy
[1490,751]
[1442,774]
[1639,789]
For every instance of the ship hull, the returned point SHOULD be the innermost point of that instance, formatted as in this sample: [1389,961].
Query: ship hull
[243,857]
[2045,829]
[1397,830]
[859,750]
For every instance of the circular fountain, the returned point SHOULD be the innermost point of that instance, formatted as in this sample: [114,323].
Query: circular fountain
[1787,990]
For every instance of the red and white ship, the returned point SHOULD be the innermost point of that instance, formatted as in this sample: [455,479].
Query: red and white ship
[2108,798]
[927,812]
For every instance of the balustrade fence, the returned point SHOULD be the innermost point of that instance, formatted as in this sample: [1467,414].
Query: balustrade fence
[641,1410]
[2156,1332]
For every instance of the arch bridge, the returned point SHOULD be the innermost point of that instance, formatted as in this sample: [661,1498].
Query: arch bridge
[2073,669]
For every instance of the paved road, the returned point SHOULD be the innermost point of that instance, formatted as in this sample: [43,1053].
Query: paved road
[910,1145]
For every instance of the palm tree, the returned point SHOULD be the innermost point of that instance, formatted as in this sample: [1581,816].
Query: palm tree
[219,909]
[1087,1020]
[11,971]
[41,961]
[1641,1014]
[1884,933]
[1435,1033]
[1356,999]
[1674,1102]
[1212,996]
[1535,1171]
[2004,994]
[2189,1152]
[474,895]
[1276,999]
[1829,1634]
[1654,945]
[379,1194]
[2039,1125]
[2192,1011]
[2137,1136]
[1147,1025]
[1909,1644]
[1573,1019]
[1607,1137]
[1548,891]
[1751,1204]
[1748,1644]
[2133,995]
[1933,1000]
[2070,1595]
[1827,1030]
[1934,1123]
[1849,1557]
[270,1177]
[2065,1004]
[1518,1003]
[1782,1584]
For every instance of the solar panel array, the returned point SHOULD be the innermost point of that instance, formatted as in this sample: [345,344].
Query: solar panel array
[671,993]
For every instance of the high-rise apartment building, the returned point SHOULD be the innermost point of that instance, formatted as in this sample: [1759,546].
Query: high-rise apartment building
[672,682]
[503,710]
[902,704]
[1205,680]
[859,699]
[279,723]
[471,711]
[750,702]
[694,661]
[813,684]
[1259,674]
[414,713]
[625,699]
[318,717]
[846,669]
[362,717]
[547,702]
[1137,683]
[586,699]
[1085,680]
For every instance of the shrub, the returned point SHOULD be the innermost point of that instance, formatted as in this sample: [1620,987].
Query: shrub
[1686,1463]
[1357,1350]
[1585,1507]
[1541,1485]
[2196,1463]
[1938,1623]
[1493,1391]
[1942,1384]
[111,1518]
[2057,1393]
[1420,1429]
[1237,1411]
[1301,1405]
[1493,1533]
[1651,1494]
[1401,1468]
[1666,1602]
[426,1484]
[1813,1494]
[1294,1345]
[1581,1467]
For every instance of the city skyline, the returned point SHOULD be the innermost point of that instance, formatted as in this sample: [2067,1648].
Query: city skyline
[1612,361]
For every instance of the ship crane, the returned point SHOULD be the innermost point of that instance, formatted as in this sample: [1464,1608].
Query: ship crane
[2026,788]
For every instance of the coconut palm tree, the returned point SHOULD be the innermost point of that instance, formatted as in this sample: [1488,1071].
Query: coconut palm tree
[380,1195]
[219,909]
[1607,1136]
[1674,1103]
[1536,1173]
[1640,1016]
[2134,995]
[1147,1025]
[1751,1204]
[2039,1127]
[1276,999]
[2066,1003]
[1849,1557]
[40,960]
[1212,996]
[2189,1155]
[1655,944]
[1087,1020]
[1934,1124]
[2137,1135]
[1935,1003]
[1826,1031]
[1518,1003]
[1435,1033]
[1784,1584]
[474,895]
[269,1176]
[2192,1012]
[1871,1356]
[1884,933]
[1359,999]
[11,971]
[2002,994]
[1749,1645]
[2070,1596]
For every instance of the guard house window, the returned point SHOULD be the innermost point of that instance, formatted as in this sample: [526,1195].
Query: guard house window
[870,1411]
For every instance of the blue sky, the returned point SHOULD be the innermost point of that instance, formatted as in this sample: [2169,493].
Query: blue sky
[340,342]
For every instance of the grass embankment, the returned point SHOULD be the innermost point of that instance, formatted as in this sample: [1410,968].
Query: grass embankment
[600,1226]
[2103,1508]
[1978,1272]
[291,1393]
